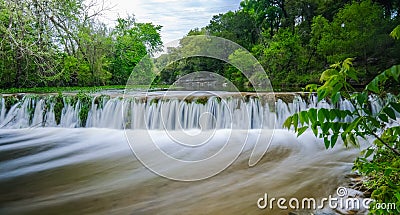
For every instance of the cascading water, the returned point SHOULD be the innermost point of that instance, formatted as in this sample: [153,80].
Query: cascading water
[50,164]
[172,114]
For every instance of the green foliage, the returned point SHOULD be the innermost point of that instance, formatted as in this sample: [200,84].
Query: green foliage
[352,32]
[396,32]
[202,100]
[10,101]
[282,56]
[133,40]
[58,102]
[238,26]
[63,43]
[85,102]
[70,89]
[383,170]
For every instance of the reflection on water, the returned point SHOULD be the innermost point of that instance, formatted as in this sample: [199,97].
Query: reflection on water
[93,171]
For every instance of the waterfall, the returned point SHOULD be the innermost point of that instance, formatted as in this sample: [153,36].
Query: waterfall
[153,113]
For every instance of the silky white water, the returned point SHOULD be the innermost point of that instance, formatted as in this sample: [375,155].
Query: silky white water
[173,113]
[58,168]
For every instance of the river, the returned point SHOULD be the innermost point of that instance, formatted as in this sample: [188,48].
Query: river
[70,168]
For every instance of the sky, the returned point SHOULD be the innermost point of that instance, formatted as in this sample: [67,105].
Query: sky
[176,16]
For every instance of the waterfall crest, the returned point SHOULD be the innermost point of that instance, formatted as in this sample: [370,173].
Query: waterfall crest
[152,113]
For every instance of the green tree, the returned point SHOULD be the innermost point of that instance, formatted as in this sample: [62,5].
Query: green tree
[132,42]
[358,30]
[239,26]
[383,170]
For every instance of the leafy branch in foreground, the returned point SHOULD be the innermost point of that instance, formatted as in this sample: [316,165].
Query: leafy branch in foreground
[360,121]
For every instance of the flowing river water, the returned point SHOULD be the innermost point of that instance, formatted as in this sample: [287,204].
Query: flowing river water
[75,166]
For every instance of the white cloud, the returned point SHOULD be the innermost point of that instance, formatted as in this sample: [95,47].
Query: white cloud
[176,16]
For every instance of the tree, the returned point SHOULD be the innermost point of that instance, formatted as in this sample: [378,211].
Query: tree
[62,43]
[132,42]
[358,30]
[237,26]
[383,171]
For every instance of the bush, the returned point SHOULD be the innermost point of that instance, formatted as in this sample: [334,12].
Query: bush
[382,171]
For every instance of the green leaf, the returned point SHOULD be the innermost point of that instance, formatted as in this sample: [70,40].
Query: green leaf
[396,106]
[352,126]
[333,115]
[327,74]
[303,117]
[362,98]
[373,121]
[345,113]
[383,117]
[336,127]
[326,113]
[334,139]
[325,127]
[288,122]
[369,152]
[396,32]
[321,93]
[335,97]
[314,129]
[321,115]
[373,86]
[311,87]
[352,74]
[327,142]
[395,72]
[390,112]
[295,121]
[388,171]
[312,114]
[301,130]
[352,139]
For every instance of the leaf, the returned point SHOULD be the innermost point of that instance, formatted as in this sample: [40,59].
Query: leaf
[369,152]
[388,171]
[396,106]
[335,97]
[348,62]
[336,127]
[352,74]
[326,113]
[295,121]
[288,122]
[396,32]
[395,72]
[312,114]
[327,142]
[311,87]
[301,130]
[352,126]
[345,113]
[362,98]
[303,117]
[325,127]
[390,112]
[314,129]
[321,93]
[328,74]
[333,115]
[383,117]
[321,115]
[334,139]
[373,86]
[373,121]
[352,139]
